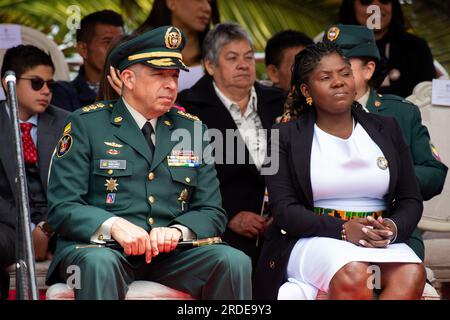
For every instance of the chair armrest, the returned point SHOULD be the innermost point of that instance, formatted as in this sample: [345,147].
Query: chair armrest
[434,224]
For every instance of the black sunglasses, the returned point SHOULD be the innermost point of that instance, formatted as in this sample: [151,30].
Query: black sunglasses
[37,83]
[369,2]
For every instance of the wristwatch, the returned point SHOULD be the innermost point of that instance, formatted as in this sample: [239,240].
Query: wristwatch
[45,227]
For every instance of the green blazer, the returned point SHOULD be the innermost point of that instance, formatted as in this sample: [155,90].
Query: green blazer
[430,172]
[103,168]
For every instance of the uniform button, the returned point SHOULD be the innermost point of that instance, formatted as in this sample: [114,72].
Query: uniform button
[151,199]
[283,231]
[100,237]
[151,176]
[187,179]
[151,221]
[110,171]
[272,264]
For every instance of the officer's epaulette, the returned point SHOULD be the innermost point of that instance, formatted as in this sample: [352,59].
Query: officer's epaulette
[97,106]
[394,97]
[188,115]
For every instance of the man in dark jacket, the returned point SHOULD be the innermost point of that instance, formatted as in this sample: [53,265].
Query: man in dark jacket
[96,32]
[41,126]
[242,112]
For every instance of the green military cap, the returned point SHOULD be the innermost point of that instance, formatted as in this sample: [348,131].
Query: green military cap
[158,48]
[355,41]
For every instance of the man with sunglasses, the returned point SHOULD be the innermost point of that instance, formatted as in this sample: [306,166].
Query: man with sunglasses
[41,126]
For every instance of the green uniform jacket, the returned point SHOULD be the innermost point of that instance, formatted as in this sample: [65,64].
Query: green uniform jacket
[149,193]
[429,171]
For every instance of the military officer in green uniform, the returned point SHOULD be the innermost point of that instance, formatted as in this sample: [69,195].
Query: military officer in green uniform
[135,171]
[358,44]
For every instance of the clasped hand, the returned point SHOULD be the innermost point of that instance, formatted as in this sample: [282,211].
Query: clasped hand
[370,232]
[136,241]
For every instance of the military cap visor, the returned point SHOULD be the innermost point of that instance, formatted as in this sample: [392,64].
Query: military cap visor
[355,41]
[158,48]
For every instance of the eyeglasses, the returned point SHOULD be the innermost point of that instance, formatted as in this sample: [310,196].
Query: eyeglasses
[37,83]
[369,2]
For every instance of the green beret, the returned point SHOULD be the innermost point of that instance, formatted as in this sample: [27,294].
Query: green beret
[355,41]
[158,48]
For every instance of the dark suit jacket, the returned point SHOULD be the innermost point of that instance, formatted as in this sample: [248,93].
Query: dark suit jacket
[71,95]
[50,126]
[241,185]
[291,198]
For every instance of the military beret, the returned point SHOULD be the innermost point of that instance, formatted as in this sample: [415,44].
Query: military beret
[355,41]
[158,48]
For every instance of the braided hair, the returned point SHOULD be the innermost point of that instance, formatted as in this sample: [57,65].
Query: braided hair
[305,63]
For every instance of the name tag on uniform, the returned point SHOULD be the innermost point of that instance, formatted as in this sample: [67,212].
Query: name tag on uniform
[183,158]
[113,164]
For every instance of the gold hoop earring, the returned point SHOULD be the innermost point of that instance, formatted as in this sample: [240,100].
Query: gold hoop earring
[309,100]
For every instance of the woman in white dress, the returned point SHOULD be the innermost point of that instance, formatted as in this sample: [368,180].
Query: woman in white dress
[345,197]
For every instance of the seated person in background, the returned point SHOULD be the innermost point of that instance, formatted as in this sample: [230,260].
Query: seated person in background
[142,196]
[280,53]
[407,59]
[345,196]
[194,19]
[41,126]
[229,98]
[97,31]
[358,44]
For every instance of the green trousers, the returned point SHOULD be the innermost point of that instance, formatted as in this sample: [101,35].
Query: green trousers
[209,272]
[415,242]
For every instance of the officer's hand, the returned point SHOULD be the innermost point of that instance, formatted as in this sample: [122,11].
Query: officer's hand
[163,240]
[133,239]
[248,224]
[114,80]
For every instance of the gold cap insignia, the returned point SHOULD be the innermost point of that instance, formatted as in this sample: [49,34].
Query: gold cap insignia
[333,33]
[173,38]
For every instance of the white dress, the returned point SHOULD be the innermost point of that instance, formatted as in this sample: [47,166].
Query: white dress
[345,175]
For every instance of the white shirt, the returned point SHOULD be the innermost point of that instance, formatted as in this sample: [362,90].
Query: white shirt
[345,174]
[249,125]
[104,231]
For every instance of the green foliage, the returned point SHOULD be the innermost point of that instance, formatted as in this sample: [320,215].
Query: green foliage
[262,18]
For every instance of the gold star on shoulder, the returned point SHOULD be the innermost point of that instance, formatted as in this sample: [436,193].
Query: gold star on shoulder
[111,184]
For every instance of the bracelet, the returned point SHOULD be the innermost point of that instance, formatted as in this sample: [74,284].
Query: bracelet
[343,234]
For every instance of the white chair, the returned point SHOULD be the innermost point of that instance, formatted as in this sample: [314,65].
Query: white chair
[40,40]
[435,220]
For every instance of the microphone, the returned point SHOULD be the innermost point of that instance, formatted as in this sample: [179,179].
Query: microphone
[10,79]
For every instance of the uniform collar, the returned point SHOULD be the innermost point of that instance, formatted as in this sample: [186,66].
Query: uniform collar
[138,117]
[364,99]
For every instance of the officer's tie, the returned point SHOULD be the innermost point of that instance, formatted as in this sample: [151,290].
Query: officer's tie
[147,130]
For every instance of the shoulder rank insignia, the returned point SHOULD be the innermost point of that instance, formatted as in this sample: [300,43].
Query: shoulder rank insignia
[68,128]
[95,106]
[188,115]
